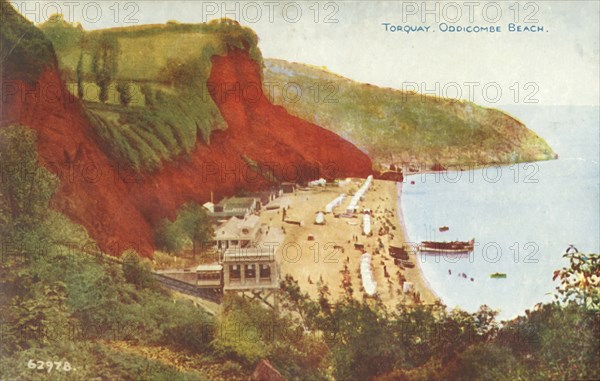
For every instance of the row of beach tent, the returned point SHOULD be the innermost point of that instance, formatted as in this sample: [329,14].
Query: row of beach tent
[358,195]
[336,202]
[366,274]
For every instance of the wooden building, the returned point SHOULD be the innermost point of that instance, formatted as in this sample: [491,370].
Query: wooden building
[238,233]
[239,207]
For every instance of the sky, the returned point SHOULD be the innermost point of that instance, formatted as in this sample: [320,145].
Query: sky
[557,65]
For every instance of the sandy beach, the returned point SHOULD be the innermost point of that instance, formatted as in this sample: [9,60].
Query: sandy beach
[326,253]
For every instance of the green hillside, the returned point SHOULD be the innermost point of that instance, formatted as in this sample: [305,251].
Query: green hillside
[145,86]
[400,127]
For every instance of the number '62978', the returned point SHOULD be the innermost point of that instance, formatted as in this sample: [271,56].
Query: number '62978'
[63,366]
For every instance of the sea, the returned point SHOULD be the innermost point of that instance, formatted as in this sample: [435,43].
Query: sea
[523,217]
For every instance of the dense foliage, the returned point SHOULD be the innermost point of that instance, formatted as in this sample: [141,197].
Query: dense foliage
[25,187]
[63,301]
[192,225]
[22,42]
[554,341]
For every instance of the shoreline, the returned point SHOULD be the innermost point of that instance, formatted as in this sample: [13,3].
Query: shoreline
[400,215]
[314,254]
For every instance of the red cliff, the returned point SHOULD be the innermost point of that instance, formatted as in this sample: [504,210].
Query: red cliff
[120,208]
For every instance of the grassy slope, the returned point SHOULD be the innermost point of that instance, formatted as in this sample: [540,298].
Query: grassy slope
[396,126]
[182,112]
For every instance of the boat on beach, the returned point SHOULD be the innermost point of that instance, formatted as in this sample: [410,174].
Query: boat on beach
[447,247]
[398,252]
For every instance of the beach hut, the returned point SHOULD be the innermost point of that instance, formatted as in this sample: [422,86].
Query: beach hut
[319,218]
[317,183]
[344,182]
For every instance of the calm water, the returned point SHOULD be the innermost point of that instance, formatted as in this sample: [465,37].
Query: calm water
[523,217]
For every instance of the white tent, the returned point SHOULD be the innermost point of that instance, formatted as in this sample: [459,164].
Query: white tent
[316,183]
[336,202]
[367,224]
[320,218]
[366,274]
[359,194]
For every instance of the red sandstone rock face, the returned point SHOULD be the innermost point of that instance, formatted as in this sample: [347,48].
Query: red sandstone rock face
[119,208]
[90,192]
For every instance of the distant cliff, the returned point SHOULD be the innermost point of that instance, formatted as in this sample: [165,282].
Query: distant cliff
[394,126]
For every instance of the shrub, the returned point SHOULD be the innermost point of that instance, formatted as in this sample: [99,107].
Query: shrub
[137,270]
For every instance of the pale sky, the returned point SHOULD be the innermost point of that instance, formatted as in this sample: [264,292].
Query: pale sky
[557,66]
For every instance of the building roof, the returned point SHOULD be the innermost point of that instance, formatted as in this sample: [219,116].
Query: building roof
[237,203]
[210,267]
[249,254]
[238,228]
[209,206]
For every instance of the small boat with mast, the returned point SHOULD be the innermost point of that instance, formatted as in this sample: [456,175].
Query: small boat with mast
[443,247]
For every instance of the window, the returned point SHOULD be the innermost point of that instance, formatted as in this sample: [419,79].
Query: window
[250,272]
[235,272]
[209,276]
[265,272]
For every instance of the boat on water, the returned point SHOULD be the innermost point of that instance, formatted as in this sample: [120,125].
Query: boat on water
[444,228]
[447,247]
[498,275]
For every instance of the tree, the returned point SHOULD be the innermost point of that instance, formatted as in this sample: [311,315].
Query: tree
[80,76]
[137,270]
[196,225]
[147,92]
[25,187]
[125,95]
[293,299]
[485,361]
[160,96]
[104,63]
[62,33]
[580,281]
[178,72]
[192,223]
[168,237]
